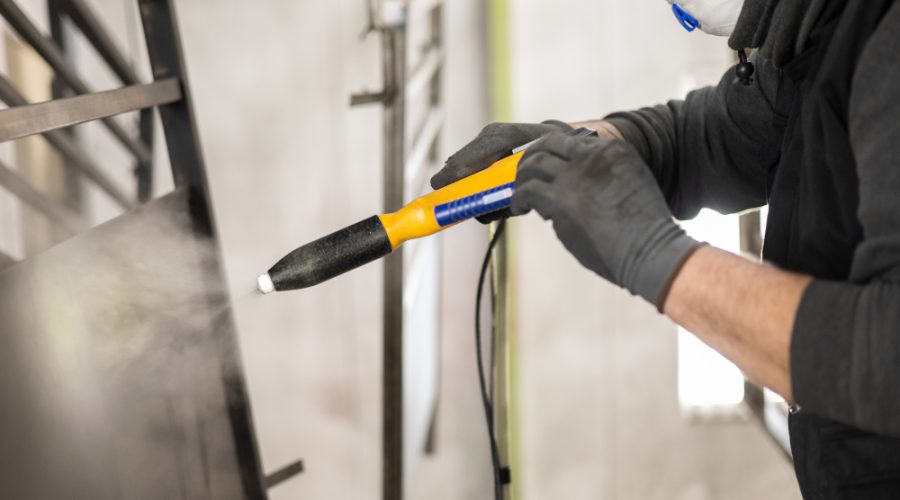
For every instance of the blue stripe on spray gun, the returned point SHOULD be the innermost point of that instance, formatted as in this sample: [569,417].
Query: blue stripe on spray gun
[481,203]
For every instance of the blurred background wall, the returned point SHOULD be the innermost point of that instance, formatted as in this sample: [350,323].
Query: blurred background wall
[288,161]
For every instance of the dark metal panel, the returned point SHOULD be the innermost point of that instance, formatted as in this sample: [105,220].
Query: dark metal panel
[63,68]
[186,158]
[113,350]
[22,121]
[40,202]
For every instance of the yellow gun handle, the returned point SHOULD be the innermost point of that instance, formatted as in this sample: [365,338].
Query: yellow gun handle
[483,192]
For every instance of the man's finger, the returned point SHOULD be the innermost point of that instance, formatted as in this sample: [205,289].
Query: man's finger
[540,165]
[495,142]
[534,194]
[566,146]
[555,144]
[474,157]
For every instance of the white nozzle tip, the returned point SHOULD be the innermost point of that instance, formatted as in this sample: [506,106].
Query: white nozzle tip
[264,283]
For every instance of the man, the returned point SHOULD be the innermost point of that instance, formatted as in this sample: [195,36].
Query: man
[811,126]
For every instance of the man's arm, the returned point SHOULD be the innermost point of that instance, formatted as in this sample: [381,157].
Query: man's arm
[831,347]
[604,129]
[712,149]
[742,309]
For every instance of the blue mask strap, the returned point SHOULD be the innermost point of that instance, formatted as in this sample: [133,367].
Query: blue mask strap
[688,21]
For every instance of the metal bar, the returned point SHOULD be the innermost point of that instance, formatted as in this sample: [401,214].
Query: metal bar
[436,92]
[144,170]
[92,29]
[40,202]
[417,163]
[283,474]
[424,72]
[167,61]
[63,68]
[394,71]
[66,146]
[22,121]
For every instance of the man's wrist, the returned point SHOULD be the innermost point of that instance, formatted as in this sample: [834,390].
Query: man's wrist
[605,129]
[658,264]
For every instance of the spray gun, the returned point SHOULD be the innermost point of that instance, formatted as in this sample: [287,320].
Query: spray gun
[479,194]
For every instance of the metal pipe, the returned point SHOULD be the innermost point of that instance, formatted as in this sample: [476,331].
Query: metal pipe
[394,70]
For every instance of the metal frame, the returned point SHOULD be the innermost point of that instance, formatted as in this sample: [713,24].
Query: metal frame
[169,93]
[64,70]
[92,29]
[404,174]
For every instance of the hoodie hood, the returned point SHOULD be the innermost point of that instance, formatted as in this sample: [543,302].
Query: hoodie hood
[778,28]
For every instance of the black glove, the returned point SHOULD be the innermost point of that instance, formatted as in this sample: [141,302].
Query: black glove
[495,142]
[607,209]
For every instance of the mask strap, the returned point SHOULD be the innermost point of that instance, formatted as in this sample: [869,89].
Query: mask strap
[688,21]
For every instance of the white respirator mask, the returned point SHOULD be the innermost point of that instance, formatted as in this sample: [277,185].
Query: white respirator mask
[716,17]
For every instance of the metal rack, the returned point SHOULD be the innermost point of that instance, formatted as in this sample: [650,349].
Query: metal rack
[74,103]
[410,273]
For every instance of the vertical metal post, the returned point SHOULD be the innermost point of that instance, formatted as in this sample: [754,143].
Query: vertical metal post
[501,351]
[751,245]
[394,68]
[504,345]
[435,91]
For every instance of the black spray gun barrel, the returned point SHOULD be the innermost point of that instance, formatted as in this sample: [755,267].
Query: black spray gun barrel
[327,257]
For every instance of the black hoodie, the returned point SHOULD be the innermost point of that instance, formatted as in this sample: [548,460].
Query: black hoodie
[817,137]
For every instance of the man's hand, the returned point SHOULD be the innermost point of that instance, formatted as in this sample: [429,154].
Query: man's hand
[607,210]
[495,142]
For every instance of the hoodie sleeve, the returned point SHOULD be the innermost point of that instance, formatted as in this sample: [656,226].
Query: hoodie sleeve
[845,352]
[714,148]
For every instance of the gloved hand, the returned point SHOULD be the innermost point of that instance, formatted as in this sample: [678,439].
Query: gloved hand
[607,209]
[495,142]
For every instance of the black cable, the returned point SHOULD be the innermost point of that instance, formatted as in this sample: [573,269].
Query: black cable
[485,399]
